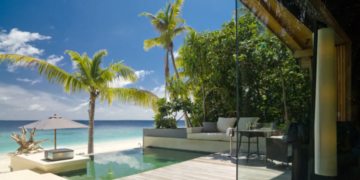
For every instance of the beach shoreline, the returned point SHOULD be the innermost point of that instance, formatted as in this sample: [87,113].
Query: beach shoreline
[102,147]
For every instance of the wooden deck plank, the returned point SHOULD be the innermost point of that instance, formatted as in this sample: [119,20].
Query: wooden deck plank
[212,167]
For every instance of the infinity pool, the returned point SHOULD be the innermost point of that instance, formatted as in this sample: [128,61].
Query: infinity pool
[108,166]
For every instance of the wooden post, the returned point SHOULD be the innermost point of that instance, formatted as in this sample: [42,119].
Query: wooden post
[55,138]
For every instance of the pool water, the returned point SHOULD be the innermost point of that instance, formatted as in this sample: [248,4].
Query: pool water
[113,165]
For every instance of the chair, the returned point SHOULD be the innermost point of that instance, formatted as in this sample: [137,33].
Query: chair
[279,148]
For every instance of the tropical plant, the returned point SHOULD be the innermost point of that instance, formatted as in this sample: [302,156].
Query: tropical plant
[168,24]
[89,78]
[168,110]
[272,85]
[195,67]
[177,88]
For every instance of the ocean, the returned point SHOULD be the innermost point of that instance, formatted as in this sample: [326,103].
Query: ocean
[104,131]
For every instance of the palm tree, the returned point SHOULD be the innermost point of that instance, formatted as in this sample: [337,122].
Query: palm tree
[90,78]
[168,24]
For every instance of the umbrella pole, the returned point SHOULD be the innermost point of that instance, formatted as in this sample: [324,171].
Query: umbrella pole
[55,137]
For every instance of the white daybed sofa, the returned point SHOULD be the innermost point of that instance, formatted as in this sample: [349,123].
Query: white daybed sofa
[196,133]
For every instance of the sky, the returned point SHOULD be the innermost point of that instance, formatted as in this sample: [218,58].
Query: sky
[46,29]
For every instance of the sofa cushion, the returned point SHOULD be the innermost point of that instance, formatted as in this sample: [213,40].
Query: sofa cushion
[243,120]
[205,136]
[224,123]
[210,127]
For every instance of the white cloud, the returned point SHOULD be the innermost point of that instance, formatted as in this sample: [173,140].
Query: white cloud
[121,158]
[11,68]
[176,54]
[36,107]
[121,82]
[23,80]
[16,42]
[77,108]
[5,98]
[74,64]
[142,73]
[159,91]
[53,59]
[32,82]
[35,81]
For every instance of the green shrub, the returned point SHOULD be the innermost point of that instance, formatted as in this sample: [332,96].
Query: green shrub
[168,110]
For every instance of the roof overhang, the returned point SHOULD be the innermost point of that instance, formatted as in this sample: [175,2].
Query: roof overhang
[288,28]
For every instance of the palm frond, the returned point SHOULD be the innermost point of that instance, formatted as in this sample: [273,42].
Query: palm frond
[50,72]
[83,64]
[176,9]
[182,29]
[137,97]
[106,94]
[121,70]
[95,68]
[156,21]
[76,83]
[181,20]
[149,43]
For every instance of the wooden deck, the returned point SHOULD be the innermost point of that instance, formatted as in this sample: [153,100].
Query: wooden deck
[215,167]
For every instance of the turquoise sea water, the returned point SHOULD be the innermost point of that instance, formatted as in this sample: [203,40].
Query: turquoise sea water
[104,131]
[125,163]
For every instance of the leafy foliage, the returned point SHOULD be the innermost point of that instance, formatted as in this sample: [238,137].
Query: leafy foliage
[168,110]
[271,81]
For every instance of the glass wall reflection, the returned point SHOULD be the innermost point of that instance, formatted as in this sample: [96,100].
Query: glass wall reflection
[282,94]
[274,91]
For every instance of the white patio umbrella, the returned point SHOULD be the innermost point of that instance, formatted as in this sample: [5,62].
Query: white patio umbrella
[54,122]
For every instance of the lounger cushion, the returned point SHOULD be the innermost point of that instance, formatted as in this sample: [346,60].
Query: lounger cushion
[224,123]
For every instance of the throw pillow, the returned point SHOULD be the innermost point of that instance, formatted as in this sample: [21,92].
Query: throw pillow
[209,127]
[224,123]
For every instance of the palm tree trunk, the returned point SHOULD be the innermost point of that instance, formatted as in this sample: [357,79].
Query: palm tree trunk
[173,63]
[91,124]
[178,77]
[166,67]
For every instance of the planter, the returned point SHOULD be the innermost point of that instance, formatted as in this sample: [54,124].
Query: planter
[169,133]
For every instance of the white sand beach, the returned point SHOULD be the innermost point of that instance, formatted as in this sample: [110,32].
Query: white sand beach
[99,148]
